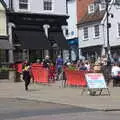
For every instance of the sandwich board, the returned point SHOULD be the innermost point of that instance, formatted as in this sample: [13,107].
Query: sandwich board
[96,82]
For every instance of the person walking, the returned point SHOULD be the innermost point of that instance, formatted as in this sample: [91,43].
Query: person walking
[26,75]
[59,66]
[115,73]
[46,62]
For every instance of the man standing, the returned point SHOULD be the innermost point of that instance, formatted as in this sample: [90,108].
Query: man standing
[46,62]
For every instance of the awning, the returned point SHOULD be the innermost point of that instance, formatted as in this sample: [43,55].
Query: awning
[4,44]
[32,39]
[59,38]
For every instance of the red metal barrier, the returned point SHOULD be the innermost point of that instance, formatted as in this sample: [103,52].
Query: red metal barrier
[76,78]
[19,67]
[40,74]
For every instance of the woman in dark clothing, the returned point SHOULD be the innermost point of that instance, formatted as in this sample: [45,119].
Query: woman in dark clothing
[26,75]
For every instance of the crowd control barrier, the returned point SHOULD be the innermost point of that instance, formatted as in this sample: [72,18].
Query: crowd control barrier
[76,78]
[19,67]
[40,74]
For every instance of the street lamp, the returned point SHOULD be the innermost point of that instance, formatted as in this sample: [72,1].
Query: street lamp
[108,25]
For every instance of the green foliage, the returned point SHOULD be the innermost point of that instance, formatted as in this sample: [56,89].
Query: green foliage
[5,69]
[71,67]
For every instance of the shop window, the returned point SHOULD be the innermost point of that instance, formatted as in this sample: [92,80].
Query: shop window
[3,56]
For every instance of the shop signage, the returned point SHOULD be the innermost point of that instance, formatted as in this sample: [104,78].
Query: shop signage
[95,80]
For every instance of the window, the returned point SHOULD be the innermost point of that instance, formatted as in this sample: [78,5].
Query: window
[96,29]
[85,32]
[102,6]
[23,4]
[91,8]
[47,4]
[117,2]
[66,32]
[119,29]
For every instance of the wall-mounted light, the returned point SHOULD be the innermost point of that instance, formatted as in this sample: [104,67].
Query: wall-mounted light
[46,27]
[64,28]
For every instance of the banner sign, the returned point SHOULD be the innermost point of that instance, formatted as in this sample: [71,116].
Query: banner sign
[95,80]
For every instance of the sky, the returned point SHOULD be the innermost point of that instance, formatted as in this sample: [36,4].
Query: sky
[7,2]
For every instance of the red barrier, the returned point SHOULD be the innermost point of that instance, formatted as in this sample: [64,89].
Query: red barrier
[40,74]
[19,67]
[75,78]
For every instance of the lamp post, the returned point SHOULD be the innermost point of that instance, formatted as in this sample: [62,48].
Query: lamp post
[108,25]
[107,32]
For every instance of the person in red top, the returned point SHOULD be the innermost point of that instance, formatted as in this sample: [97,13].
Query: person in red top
[51,72]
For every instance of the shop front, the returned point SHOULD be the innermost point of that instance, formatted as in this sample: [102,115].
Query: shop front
[30,40]
[91,53]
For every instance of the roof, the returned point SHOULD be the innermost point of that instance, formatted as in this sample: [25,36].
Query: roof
[82,8]
[94,17]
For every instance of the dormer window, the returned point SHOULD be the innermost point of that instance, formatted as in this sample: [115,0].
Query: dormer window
[91,8]
[23,4]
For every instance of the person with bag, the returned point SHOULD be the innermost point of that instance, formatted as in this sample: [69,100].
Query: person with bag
[26,75]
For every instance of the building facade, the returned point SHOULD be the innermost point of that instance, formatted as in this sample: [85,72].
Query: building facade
[92,27]
[4,44]
[71,36]
[37,28]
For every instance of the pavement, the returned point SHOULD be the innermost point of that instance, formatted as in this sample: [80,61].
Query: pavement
[55,93]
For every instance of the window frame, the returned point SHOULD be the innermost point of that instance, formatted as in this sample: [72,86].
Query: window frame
[22,2]
[96,31]
[118,29]
[48,5]
[85,32]
[116,1]
[91,8]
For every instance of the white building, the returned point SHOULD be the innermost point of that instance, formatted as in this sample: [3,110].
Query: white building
[72,29]
[37,28]
[92,30]
[4,43]
[57,7]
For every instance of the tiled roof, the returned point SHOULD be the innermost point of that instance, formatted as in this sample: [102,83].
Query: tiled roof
[82,8]
[93,17]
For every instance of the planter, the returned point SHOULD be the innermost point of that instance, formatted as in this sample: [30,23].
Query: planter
[12,75]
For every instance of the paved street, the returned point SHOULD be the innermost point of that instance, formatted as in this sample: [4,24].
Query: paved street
[43,102]
[19,109]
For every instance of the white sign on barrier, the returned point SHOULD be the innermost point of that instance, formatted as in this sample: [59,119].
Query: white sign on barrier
[95,80]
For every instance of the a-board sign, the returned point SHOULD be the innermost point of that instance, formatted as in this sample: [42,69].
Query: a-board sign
[95,80]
